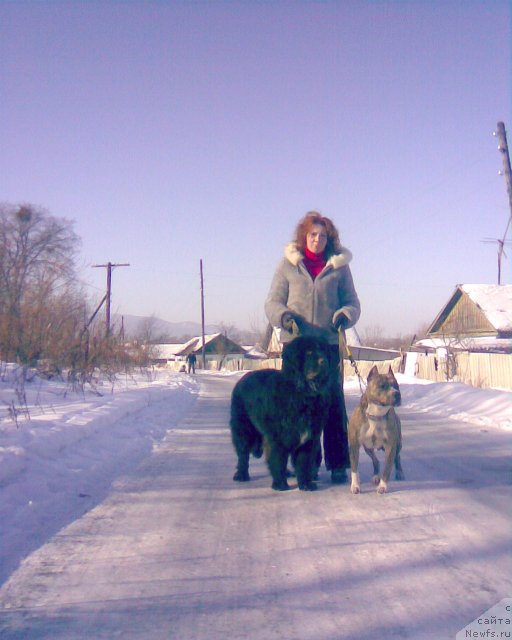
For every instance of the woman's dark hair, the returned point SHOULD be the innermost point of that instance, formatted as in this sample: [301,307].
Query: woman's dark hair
[305,225]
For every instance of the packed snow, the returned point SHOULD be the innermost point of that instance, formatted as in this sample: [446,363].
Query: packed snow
[62,451]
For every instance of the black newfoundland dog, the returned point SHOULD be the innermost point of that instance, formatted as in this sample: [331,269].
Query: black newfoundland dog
[283,412]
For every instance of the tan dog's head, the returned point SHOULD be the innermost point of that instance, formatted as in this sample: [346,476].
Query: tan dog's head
[382,389]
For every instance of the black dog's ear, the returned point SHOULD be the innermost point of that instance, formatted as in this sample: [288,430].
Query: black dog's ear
[291,355]
[293,361]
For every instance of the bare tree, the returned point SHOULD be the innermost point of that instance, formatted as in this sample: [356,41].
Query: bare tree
[229,331]
[143,348]
[258,331]
[146,330]
[37,281]
[373,336]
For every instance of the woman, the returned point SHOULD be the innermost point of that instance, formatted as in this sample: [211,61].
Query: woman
[312,291]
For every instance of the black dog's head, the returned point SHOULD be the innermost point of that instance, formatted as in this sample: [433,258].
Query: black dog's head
[306,363]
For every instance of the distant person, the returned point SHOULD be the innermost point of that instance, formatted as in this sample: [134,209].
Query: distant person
[191,362]
[312,291]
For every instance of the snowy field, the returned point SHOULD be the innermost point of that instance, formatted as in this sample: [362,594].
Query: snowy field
[66,461]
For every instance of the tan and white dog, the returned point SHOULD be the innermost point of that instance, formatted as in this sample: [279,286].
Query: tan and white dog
[375,425]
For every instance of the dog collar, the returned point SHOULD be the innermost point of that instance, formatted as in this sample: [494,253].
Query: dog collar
[377,411]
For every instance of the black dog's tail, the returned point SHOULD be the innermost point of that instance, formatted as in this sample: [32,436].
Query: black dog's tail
[257,447]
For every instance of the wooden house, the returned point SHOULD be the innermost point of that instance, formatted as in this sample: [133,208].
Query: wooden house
[477,317]
[216,344]
[218,348]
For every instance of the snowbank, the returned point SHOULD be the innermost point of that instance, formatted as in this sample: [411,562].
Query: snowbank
[453,400]
[61,449]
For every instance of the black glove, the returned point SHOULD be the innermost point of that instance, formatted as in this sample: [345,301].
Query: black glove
[304,327]
[289,318]
[342,322]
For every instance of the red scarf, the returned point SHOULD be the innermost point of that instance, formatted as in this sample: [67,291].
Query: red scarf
[314,262]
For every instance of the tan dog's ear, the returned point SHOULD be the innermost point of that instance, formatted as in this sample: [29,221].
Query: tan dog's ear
[374,372]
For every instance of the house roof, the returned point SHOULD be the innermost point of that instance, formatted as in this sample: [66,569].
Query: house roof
[495,300]
[227,345]
[194,343]
[169,351]
[254,353]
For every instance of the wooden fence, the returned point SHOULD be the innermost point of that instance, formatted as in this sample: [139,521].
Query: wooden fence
[484,370]
[363,366]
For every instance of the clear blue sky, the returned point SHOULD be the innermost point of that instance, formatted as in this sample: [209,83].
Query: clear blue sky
[174,131]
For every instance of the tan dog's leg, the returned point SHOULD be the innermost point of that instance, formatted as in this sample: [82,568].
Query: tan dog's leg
[376,464]
[353,437]
[390,452]
[399,474]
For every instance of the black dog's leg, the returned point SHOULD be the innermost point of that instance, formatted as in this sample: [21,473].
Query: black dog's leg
[242,468]
[242,443]
[244,446]
[245,437]
[246,442]
[304,460]
[318,463]
[277,457]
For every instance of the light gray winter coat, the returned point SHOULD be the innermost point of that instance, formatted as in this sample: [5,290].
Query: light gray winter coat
[319,301]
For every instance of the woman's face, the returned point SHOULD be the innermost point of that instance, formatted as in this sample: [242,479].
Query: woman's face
[316,238]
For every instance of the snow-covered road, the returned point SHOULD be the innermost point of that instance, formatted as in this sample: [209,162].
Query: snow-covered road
[179,551]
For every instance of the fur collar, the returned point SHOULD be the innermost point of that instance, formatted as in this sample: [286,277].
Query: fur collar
[336,261]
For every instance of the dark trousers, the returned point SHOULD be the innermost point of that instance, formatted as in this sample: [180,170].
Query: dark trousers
[335,432]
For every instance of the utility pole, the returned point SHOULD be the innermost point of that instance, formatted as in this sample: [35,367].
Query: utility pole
[501,248]
[202,314]
[501,134]
[108,296]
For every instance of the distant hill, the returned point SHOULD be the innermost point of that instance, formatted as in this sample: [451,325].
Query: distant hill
[135,325]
